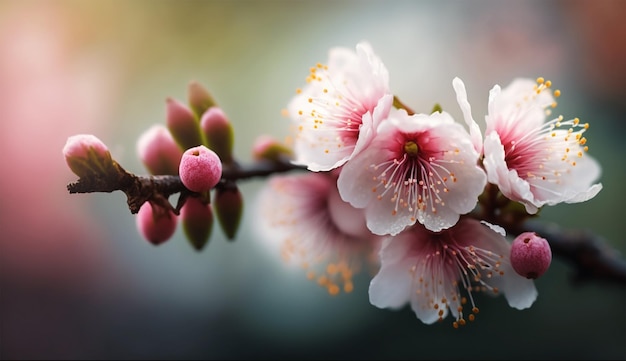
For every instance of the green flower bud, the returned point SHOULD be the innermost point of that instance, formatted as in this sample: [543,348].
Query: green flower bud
[183,125]
[199,98]
[218,133]
[267,148]
[228,204]
[197,220]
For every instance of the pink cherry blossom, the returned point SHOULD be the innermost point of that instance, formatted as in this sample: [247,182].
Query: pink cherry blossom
[337,112]
[418,168]
[303,216]
[533,160]
[438,273]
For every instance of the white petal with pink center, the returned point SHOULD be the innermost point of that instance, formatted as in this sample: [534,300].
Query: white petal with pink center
[304,217]
[336,114]
[417,168]
[533,160]
[438,272]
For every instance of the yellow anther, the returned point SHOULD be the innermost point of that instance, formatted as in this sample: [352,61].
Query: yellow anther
[540,80]
[557,93]
[548,83]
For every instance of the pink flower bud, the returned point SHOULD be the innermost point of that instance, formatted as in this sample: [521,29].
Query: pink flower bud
[183,124]
[156,224]
[158,151]
[86,155]
[530,255]
[266,147]
[199,98]
[218,133]
[200,169]
[197,218]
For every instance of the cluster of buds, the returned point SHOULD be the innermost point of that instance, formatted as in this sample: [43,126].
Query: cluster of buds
[195,144]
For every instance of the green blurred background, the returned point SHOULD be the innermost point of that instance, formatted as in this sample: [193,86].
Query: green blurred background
[77,280]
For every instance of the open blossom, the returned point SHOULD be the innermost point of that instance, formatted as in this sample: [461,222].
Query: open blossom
[437,273]
[418,168]
[313,228]
[534,161]
[337,113]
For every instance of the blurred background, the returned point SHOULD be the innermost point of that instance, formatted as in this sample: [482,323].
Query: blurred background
[78,281]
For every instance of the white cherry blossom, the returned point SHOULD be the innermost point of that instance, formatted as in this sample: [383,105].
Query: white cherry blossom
[534,158]
[303,216]
[438,272]
[336,114]
[418,168]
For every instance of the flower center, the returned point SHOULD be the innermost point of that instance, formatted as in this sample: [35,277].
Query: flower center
[411,149]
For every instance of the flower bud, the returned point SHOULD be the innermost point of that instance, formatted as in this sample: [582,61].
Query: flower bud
[158,151]
[86,155]
[218,133]
[268,148]
[228,203]
[200,169]
[197,218]
[199,98]
[156,224]
[183,125]
[530,255]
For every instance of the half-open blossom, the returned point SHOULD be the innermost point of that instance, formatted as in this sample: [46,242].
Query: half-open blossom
[533,158]
[313,228]
[337,113]
[420,168]
[438,273]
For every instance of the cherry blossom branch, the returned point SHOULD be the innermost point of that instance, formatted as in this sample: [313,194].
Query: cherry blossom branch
[158,188]
[589,254]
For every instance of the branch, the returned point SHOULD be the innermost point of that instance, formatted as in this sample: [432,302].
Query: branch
[158,188]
